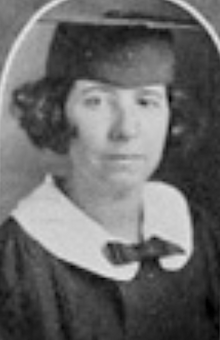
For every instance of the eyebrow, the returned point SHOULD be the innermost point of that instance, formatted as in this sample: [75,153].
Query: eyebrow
[94,87]
[149,91]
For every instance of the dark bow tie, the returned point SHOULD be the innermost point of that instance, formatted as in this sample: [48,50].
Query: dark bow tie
[152,250]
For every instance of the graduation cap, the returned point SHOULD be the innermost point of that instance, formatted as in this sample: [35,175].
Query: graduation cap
[127,45]
[149,13]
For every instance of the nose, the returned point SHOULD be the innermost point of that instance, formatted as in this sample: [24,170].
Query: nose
[125,122]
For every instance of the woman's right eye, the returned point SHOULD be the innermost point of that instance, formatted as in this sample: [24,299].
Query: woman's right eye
[92,101]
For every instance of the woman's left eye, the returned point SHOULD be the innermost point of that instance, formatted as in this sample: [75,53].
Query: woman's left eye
[146,102]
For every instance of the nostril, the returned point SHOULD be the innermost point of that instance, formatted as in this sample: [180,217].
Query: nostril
[124,127]
[125,122]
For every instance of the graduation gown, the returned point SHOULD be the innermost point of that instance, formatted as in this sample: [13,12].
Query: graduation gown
[49,290]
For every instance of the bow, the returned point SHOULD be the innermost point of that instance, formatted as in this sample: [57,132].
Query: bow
[151,249]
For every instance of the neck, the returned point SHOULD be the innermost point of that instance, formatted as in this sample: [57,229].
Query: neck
[118,210]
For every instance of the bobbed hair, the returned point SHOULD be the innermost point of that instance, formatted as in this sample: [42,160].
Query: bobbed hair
[40,105]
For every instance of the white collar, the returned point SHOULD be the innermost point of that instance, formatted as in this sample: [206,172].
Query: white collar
[50,218]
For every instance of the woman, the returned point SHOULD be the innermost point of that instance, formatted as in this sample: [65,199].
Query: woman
[107,252]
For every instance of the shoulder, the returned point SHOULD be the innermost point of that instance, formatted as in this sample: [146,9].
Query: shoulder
[18,252]
[26,262]
[13,237]
[10,236]
[207,237]
[206,226]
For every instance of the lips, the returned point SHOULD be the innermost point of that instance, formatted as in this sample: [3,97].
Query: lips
[125,162]
[124,157]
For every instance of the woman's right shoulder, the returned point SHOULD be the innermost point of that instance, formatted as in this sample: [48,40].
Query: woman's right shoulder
[18,252]
[10,230]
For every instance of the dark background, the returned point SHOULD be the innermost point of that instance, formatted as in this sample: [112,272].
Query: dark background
[22,166]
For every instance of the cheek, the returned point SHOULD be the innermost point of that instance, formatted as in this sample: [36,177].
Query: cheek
[91,130]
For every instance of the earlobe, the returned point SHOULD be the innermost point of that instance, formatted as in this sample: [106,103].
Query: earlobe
[177,130]
[74,132]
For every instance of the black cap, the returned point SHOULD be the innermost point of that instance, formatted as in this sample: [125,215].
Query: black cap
[106,39]
[122,55]
[149,13]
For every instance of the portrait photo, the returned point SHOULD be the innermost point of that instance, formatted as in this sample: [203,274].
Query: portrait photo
[109,174]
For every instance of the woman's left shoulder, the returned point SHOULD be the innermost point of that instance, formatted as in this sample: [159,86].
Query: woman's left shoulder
[206,228]
[205,221]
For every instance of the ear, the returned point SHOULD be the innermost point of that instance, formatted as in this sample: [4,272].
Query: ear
[179,123]
[178,130]
[189,122]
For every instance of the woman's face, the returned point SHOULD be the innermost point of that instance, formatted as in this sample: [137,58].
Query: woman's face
[121,132]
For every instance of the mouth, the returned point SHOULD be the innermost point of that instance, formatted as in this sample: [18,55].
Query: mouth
[125,157]
[125,162]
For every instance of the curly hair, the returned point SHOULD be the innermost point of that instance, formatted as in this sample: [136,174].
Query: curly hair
[40,109]
[75,53]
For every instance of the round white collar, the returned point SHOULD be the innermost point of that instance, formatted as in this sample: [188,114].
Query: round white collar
[68,233]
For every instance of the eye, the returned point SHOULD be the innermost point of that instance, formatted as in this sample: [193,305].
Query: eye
[146,102]
[93,101]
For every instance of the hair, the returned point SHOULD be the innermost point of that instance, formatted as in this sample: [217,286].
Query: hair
[40,109]
[40,105]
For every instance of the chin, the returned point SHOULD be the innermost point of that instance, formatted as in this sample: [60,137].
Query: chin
[126,182]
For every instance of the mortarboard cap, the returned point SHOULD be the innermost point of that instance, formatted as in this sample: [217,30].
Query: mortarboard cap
[128,45]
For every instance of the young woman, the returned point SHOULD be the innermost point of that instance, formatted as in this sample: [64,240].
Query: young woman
[108,252]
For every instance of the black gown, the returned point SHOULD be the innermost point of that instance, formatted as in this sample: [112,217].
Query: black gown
[45,298]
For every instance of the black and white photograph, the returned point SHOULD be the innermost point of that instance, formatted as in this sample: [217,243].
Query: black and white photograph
[110,173]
